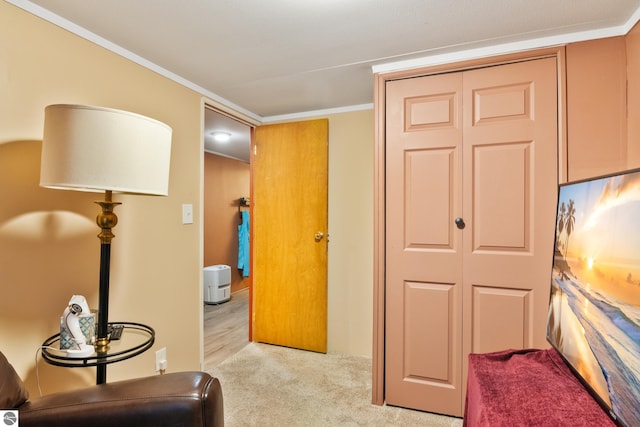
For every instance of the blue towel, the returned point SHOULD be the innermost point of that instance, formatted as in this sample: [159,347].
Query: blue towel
[243,244]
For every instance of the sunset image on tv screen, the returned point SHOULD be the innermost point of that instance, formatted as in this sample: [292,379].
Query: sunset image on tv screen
[594,310]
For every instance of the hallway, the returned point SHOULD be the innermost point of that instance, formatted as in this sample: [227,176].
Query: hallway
[226,329]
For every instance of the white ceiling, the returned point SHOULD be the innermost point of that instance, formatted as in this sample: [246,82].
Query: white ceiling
[280,58]
[239,144]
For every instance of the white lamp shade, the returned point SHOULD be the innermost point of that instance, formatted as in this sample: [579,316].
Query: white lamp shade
[95,149]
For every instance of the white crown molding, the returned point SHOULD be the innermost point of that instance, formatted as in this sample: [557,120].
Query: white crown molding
[633,20]
[316,113]
[100,41]
[506,48]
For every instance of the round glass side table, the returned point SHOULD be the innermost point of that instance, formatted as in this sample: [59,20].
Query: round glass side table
[136,338]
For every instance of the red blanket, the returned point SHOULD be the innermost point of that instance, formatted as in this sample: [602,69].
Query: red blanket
[527,388]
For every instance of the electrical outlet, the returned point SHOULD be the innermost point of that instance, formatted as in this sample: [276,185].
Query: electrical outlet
[161,359]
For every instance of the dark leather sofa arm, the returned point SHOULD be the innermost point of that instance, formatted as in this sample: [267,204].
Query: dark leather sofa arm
[176,399]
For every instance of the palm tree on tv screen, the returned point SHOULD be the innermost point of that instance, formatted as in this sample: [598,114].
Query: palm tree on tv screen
[561,214]
[570,222]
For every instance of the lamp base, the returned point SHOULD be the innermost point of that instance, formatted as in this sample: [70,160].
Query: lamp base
[106,220]
[102,345]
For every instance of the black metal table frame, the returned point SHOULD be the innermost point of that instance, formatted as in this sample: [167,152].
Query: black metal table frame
[99,360]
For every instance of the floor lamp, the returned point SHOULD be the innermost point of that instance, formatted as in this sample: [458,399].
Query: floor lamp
[99,149]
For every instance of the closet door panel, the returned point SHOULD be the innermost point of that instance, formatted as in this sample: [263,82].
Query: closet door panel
[423,360]
[514,322]
[501,197]
[510,189]
[427,304]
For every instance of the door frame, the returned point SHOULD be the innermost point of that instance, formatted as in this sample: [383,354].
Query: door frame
[379,216]
[252,122]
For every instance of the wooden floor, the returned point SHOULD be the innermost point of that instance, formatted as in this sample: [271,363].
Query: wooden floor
[226,328]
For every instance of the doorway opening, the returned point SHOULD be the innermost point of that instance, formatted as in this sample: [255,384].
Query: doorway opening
[225,208]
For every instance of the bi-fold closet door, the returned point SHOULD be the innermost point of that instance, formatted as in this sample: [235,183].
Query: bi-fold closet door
[471,176]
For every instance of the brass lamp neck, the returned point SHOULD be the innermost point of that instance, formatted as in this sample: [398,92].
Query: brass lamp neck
[107,219]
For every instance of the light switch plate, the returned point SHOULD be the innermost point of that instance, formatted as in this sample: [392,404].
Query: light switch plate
[187,214]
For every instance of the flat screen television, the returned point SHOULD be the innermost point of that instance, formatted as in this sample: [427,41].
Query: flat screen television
[594,308]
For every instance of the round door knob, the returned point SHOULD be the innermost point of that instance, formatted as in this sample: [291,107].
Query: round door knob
[318,236]
[459,223]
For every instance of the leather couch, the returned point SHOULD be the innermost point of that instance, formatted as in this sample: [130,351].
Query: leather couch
[176,399]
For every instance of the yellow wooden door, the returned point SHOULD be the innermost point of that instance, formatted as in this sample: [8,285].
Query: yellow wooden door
[289,205]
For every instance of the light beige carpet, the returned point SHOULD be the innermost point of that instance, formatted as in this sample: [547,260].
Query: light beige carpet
[276,386]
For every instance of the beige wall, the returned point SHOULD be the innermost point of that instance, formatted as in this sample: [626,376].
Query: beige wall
[350,278]
[48,248]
